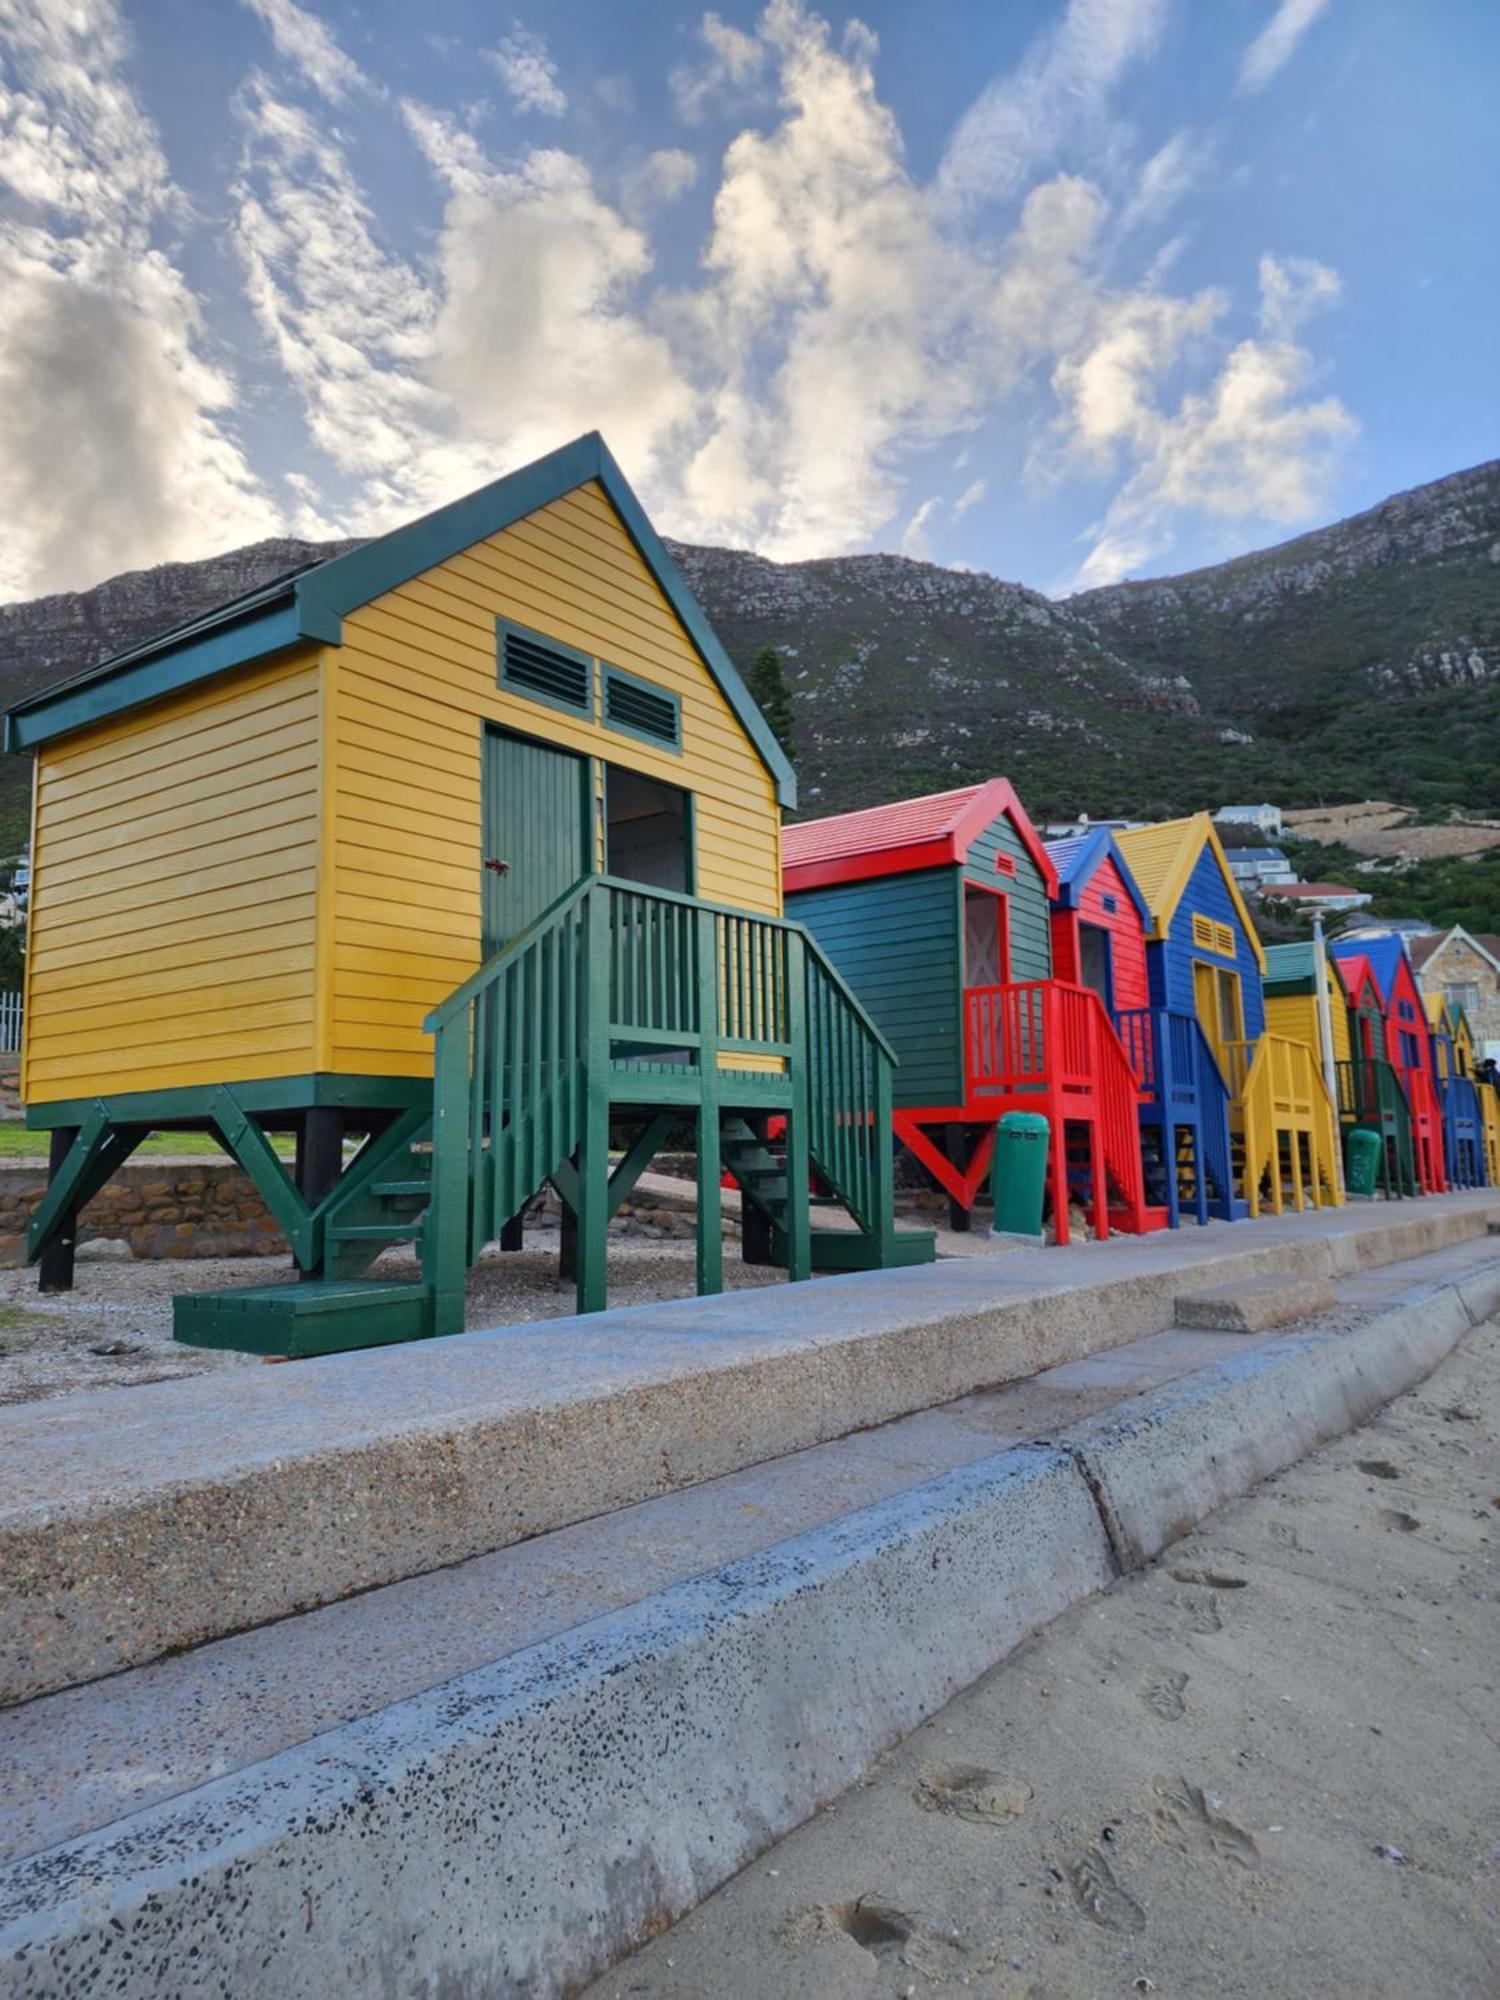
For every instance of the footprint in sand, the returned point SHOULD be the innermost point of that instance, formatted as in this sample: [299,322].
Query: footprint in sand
[1209,1579]
[1393,1517]
[1161,1691]
[1181,1816]
[1378,1468]
[1100,1897]
[969,1791]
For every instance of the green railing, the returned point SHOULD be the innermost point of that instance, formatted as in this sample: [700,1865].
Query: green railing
[849,1095]
[619,989]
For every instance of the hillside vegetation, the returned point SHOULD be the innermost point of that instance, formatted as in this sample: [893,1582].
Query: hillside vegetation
[1361,660]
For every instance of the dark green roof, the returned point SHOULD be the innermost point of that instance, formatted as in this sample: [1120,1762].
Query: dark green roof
[311,603]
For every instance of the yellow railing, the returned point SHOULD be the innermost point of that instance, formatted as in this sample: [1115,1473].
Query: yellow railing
[1489,1104]
[1278,1095]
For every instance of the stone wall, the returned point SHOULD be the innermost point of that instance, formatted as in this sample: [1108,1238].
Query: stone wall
[156,1208]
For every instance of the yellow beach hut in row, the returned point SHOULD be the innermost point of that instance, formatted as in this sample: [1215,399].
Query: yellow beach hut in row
[464,846]
[1204,960]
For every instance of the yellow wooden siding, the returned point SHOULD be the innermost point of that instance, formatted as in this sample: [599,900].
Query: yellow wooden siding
[1295,1015]
[414,683]
[173,906]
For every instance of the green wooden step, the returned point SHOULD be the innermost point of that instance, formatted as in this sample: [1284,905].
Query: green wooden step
[375,1232]
[764,1188]
[392,1189]
[846,1250]
[317,1316]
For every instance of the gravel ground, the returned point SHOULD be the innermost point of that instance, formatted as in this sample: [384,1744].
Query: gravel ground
[1264,1769]
[115,1327]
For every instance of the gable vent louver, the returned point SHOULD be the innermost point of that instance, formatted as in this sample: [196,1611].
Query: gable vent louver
[550,672]
[632,705]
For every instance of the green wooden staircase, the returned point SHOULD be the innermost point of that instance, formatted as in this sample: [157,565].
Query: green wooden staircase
[621,1012]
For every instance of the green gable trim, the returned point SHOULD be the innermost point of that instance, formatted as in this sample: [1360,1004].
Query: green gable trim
[314,604]
[84,700]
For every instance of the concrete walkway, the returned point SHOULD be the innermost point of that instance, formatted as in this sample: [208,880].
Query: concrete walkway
[489,1780]
[1265,1766]
[138,1521]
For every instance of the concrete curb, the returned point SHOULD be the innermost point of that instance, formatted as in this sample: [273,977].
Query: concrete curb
[1158,1465]
[522,1825]
[219,1503]
[513,1831]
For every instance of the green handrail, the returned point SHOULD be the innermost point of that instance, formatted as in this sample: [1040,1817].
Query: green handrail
[616,973]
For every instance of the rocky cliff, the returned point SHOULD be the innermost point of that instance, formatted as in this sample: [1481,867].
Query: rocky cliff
[1360,659]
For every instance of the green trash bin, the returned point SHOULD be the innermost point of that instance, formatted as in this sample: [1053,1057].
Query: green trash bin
[1018,1177]
[1363,1169]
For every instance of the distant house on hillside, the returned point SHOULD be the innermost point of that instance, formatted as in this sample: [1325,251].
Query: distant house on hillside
[1463,968]
[1324,898]
[1397,927]
[1266,819]
[1258,868]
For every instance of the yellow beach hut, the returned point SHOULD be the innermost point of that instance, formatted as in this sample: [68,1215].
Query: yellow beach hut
[464,847]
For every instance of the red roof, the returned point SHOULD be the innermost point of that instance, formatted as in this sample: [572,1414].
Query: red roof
[1355,970]
[929,832]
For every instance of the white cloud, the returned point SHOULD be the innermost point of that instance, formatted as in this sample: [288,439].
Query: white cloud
[1024,121]
[845,318]
[536,338]
[914,541]
[116,450]
[1277,41]
[1250,446]
[529,73]
[828,313]
[731,68]
[1172,173]
[307,44]
[419,384]
[661,177]
[348,323]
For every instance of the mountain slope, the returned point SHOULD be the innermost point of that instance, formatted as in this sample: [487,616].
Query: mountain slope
[1362,658]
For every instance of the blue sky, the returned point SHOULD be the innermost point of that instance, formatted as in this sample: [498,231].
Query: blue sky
[1067,290]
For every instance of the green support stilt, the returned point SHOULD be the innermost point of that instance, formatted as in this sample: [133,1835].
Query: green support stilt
[710,1195]
[593,1153]
[798,1123]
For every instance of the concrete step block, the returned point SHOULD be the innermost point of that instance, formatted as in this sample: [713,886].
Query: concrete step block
[1250,1305]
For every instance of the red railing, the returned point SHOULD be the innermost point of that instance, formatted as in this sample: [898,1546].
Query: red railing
[1054,1043]
[1426,1130]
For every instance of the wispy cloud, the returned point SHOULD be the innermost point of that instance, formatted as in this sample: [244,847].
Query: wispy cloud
[730,65]
[1248,445]
[529,74]
[1023,121]
[307,44]
[1276,43]
[117,448]
[844,320]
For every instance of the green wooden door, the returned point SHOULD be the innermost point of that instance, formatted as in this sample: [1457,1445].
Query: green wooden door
[535,831]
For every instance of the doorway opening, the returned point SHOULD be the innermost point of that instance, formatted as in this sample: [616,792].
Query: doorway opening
[986,944]
[1096,962]
[648,830]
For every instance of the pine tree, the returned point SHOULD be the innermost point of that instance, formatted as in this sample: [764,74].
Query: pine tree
[768,683]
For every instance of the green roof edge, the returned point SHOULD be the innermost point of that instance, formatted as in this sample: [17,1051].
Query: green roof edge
[317,601]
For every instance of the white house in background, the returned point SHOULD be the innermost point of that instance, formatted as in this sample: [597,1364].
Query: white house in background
[1070,829]
[1258,868]
[1265,819]
[1324,898]
[1401,927]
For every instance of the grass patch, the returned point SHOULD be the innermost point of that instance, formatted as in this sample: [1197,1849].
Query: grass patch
[19,1143]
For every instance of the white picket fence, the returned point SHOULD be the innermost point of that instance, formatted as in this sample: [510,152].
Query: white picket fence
[10,1023]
